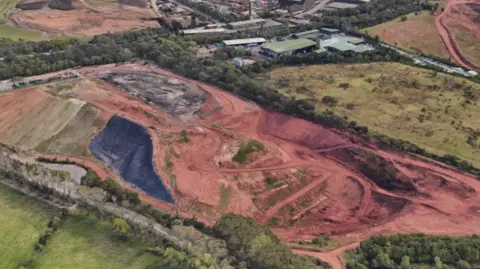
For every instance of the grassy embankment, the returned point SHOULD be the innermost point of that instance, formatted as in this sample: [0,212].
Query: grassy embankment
[81,241]
[433,110]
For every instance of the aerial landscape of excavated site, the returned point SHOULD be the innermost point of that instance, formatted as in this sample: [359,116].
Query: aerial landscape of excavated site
[186,130]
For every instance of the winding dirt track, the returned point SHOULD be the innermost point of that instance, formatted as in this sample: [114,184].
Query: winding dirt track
[447,36]
[320,187]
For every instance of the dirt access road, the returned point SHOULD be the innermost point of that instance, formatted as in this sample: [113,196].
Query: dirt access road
[447,36]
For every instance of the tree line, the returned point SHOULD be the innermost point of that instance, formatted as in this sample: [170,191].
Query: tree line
[373,13]
[255,246]
[416,251]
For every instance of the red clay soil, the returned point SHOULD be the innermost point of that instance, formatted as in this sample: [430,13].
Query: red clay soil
[448,17]
[309,180]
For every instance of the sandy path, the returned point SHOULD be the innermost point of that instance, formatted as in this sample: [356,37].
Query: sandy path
[334,258]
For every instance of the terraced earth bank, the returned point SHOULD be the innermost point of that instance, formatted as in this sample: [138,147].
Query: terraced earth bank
[126,147]
[300,178]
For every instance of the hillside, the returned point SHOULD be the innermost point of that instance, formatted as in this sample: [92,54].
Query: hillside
[433,110]
[417,33]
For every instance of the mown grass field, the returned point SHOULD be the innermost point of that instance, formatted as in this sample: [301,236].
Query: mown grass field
[417,33]
[22,221]
[418,105]
[81,241]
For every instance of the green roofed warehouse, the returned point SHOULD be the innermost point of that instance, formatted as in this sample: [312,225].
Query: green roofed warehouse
[289,47]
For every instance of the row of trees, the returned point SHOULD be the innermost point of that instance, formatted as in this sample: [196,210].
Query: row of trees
[256,246]
[410,251]
[373,13]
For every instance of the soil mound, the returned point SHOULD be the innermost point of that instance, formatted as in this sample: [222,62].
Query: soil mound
[61,4]
[301,132]
[127,147]
[135,3]
[180,99]
[31,5]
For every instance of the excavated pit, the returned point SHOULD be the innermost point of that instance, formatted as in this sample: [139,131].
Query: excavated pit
[127,147]
[179,98]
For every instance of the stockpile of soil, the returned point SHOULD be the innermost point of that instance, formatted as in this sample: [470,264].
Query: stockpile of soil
[31,4]
[127,147]
[135,3]
[61,4]
[180,99]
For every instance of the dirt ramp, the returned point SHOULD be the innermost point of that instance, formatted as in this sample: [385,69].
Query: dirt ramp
[127,147]
[61,4]
[182,100]
[32,4]
[302,132]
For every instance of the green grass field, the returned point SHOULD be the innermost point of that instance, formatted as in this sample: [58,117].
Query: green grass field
[90,244]
[15,33]
[22,221]
[81,241]
[414,104]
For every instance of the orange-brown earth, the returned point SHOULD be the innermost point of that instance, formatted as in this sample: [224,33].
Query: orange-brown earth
[319,180]
[87,19]
[458,22]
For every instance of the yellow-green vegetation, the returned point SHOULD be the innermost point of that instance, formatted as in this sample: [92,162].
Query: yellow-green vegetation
[250,147]
[433,110]
[85,242]
[5,6]
[15,33]
[22,221]
[416,33]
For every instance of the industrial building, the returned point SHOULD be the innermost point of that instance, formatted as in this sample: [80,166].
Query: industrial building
[289,47]
[204,31]
[341,46]
[329,31]
[245,24]
[312,34]
[346,46]
[244,42]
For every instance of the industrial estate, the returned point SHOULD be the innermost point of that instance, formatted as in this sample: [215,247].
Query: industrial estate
[262,134]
